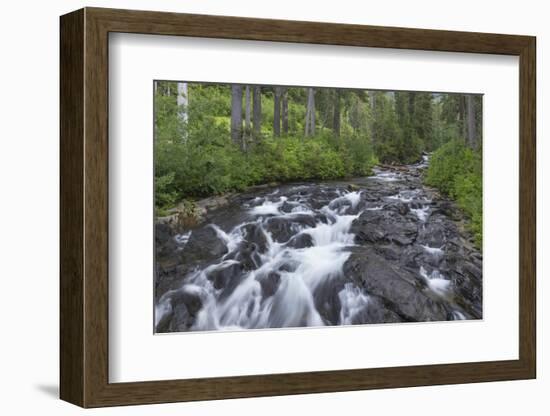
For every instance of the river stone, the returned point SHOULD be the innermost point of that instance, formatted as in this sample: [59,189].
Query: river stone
[401,240]
[269,283]
[375,312]
[433,234]
[389,252]
[384,226]
[254,233]
[165,244]
[401,208]
[395,285]
[402,232]
[282,229]
[190,298]
[222,276]
[472,270]
[204,245]
[301,240]
[181,319]
[184,306]
[448,209]
[247,254]
[327,299]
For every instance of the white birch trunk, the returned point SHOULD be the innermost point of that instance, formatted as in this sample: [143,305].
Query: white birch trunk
[247,110]
[183,101]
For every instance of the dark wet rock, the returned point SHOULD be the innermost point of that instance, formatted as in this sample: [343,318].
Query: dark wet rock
[389,252]
[163,233]
[469,294]
[472,270]
[401,240]
[340,204]
[287,207]
[450,210]
[369,197]
[401,208]
[287,267]
[269,283]
[183,308]
[165,244]
[283,228]
[223,275]
[384,226]
[402,233]
[191,299]
[395,285]
[476,255]
[164,324]
[253,233]
[376,312]
[369,235]
[247,254]
[301,240]
[322,218]
[204,245]
[369,227]
[181,318]
[327,299]
[433,234]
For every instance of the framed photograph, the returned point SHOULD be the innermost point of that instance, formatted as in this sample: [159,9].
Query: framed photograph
[263,207]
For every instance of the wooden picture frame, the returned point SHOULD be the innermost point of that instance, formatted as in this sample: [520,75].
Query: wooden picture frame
[84,207]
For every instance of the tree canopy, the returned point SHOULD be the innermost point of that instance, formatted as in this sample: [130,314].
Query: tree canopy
[214,138]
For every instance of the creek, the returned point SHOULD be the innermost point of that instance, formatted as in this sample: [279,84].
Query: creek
[379,249]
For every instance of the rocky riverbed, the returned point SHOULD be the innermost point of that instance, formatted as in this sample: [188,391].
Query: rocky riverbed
[379,249]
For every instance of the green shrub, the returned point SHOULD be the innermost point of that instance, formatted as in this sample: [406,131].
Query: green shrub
[456,170]
[165,195]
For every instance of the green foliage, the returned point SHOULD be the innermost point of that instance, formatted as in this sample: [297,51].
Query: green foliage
[391,144]
[456,171]
[165,195]
[195,156]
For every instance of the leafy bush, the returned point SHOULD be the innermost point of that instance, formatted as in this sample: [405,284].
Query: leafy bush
[165,195]
[206,162]
[456,170]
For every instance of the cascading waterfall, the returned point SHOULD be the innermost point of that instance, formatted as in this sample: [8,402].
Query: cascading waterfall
[283,264]
[299,271]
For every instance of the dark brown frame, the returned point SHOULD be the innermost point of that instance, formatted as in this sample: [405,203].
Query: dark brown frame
[84,208]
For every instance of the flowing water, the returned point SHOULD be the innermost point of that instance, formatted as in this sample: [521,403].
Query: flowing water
[283,257]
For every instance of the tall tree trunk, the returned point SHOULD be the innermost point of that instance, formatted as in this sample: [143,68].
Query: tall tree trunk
[247,110]
[308,117]
[471,121]
[236,113]
[310,113]
[373,115]
[277,111]
[257,111]
[355,114]
[285,111]
[336,114]
[412,98]
[182,101]
[462,110]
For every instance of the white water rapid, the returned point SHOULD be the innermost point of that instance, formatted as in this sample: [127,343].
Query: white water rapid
[282,264]
[299,271]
